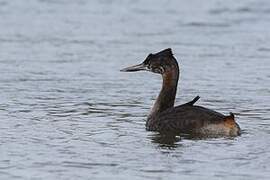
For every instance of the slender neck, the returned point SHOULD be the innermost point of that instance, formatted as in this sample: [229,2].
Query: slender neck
[167,94]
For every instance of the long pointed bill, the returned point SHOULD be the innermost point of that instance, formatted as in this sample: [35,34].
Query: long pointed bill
[139,67]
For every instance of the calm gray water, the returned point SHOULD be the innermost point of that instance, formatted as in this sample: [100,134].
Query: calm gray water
[67,112]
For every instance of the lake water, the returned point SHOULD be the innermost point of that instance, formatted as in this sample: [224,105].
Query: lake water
[66,111]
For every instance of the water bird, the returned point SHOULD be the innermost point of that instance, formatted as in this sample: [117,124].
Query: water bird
[186,118]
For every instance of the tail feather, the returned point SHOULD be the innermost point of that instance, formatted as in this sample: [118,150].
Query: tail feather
[193,101]
[230,123]
[231,115]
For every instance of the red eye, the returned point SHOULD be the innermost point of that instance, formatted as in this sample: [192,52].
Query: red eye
[156,70]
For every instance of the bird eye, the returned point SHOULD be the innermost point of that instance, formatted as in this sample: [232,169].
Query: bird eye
[162,70]
[156,70]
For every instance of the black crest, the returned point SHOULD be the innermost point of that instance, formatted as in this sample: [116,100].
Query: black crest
[166,52]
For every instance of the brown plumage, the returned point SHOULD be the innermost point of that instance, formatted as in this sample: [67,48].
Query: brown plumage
[186,118]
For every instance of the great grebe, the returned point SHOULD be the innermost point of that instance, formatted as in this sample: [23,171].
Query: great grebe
[186,118]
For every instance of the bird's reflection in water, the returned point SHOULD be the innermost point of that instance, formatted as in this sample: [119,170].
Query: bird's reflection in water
[171,141]
[166,140]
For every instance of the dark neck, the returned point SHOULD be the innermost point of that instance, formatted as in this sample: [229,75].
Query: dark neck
[167,94]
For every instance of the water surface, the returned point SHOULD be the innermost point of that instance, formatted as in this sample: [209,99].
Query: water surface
[67,112]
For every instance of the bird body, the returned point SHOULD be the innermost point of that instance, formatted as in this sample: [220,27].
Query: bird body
[190,119]
[186,118]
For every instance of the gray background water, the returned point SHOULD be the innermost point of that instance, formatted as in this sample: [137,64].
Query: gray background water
[66,111]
